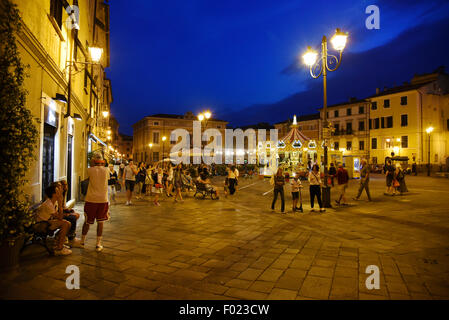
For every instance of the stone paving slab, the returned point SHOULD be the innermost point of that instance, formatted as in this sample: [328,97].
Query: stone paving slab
[237,248]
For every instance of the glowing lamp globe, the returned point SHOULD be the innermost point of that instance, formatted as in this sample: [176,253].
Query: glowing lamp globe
[339,40]
[310,57]
[95,54]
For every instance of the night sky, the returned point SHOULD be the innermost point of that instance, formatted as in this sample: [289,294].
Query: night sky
[239,58]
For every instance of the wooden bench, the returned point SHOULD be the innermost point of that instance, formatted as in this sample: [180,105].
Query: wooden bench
[39,232]
[202,190]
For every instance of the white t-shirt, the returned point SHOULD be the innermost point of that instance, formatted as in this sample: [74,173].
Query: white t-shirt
[97,192]
[46,210]
[129,173]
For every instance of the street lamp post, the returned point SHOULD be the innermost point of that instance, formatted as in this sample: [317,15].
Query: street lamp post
[151,152]
[163,146]
[318,67]
[204,116]
[429,131]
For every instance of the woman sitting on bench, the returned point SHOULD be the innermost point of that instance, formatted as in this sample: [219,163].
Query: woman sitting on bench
[204,179]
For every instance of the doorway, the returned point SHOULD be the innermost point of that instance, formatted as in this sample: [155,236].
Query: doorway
[48,157]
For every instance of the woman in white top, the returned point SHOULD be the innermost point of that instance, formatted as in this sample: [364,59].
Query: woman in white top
[315,187]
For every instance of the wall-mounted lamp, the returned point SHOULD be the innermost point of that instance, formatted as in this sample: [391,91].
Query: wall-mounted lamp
[60,97]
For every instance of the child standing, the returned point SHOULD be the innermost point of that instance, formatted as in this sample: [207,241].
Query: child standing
[296,191]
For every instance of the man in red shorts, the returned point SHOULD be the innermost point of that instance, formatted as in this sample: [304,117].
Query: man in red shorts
[96,206]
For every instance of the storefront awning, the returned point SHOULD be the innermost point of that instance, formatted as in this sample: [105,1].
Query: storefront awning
[97,140]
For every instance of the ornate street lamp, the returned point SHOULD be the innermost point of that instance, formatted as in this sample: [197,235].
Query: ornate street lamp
[320,66]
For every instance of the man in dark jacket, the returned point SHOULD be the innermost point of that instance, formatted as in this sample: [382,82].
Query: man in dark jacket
[343,180]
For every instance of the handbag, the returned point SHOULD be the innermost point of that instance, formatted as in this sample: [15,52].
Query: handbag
[396,183]
[157,185]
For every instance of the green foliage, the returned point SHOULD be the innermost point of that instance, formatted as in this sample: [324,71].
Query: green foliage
[18,132]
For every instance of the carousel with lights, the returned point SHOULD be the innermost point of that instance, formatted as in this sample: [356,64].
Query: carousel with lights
[295,151]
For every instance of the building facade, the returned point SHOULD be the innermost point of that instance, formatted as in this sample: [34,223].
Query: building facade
[151,135]
[50,42]
[400,116]
[350,128]
[125,146]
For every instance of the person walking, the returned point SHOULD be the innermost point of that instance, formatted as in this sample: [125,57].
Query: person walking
[414,169]
[364,180]
[389,177]
[121,171]
[278,181]
[158,185]
[112,181]
[149,181]
[296,190]
[129,180]
[315,187]
[232,179]
[140,179]
[400,178]
[332,173]
[342,180]
[177,182]
[96,206]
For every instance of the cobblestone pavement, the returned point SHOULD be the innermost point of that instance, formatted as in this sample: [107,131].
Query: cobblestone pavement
[236,248]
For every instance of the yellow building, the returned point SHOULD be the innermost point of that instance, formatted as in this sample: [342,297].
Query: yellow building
[70,113]
[399,117]
[349,141]
[151,135]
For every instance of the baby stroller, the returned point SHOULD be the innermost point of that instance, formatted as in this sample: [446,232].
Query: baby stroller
[187,183]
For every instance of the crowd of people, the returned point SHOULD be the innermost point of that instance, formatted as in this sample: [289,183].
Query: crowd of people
[163,177]
[172,180]
[337,178]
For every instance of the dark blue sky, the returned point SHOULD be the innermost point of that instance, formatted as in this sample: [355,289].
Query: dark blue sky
[239,58]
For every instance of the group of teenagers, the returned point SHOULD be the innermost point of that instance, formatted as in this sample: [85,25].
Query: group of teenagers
[314,177]
[164,177]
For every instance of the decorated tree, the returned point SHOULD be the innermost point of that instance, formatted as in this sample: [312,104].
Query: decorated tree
[18,132]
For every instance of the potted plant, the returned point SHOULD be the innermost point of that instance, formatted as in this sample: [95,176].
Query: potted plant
[18,138]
